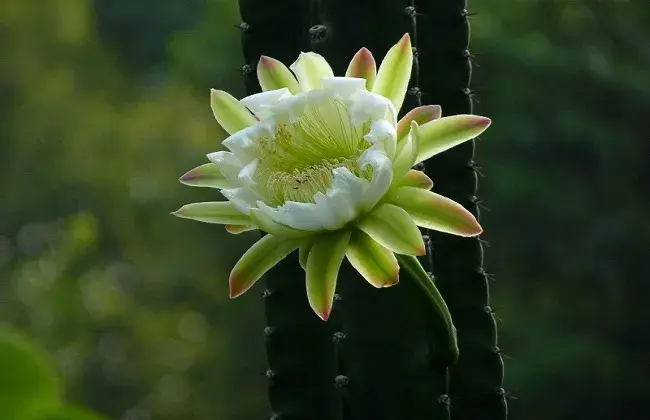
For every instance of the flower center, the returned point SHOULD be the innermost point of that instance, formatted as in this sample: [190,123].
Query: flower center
[298,162]
[301,184]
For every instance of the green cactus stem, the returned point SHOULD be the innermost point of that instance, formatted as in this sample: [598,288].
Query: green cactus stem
[300,350]
[386,351]
[476,379]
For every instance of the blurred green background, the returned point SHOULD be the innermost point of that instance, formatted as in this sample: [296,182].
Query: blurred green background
[105,103]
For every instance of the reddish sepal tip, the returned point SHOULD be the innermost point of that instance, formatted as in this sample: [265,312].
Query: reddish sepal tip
[325,315]
[235,289]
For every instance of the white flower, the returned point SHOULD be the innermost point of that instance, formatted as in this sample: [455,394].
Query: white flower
[321,163]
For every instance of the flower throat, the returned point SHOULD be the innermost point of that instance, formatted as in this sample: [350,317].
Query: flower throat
[298,161]
[301,184]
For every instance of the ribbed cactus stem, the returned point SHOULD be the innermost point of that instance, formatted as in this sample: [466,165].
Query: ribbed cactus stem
[386,351]
[438,366]
[301,356]
[476,379]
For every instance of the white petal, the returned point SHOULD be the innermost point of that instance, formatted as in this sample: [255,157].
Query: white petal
[347,181]
[242,143]
[312,216]
[247,179]
[290,109]
[306,216]
[331,211]
[344,86]
[260,103]
[327,210]
[246,174]
[382,176]
[340,200]
[364,106]
[344,195]
[229,164]
[242,198]
[342,207]
[383,134]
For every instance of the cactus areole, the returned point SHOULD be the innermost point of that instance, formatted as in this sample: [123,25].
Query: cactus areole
[321,164]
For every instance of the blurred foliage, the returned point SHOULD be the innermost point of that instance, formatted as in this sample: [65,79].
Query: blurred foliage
[565,175]
[105,104]
[29,384]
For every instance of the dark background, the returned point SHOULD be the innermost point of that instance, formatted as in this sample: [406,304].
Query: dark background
[105,103]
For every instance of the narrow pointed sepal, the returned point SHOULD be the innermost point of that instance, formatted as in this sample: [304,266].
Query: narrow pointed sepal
[374,262]
[395,72]
[434,211]
[220,212]
[273,74]
[442,134]
[310,68]
[237,229]
[421,115]
[259,259]
[394,229]
[207,175]
[229,112]
[363,65]
[417,179]
[407,152]
[323,264]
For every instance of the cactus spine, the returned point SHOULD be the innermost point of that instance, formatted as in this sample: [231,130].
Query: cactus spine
[386,350]
[476,379]
[300,350]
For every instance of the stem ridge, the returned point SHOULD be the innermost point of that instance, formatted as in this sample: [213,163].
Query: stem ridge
[475,381]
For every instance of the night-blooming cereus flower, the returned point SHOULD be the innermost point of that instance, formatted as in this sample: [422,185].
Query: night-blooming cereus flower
[321,164]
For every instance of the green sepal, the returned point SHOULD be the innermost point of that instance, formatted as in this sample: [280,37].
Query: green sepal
[363,65]
[237,229]
[421,115]
[220,212]
[257,260]
[273,74]
[229,112]
[394,229]
[374,262]
[435,211]
[323,264]
[395,72]
[417,179]
[447,132]
[207,175]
